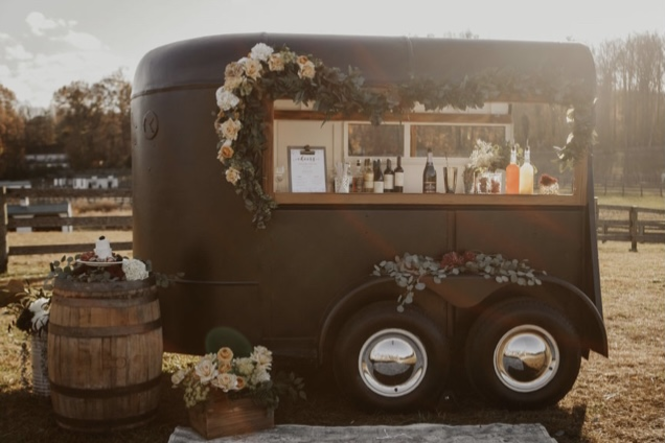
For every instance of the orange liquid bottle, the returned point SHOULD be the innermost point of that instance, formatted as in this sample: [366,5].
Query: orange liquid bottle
[513,174]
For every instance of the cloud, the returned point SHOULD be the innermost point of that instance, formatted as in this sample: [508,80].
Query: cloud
[81,40]
[17,52]
[35,80]
[38,23]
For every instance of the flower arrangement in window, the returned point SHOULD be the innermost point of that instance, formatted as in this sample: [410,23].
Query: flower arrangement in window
[266,74]
[548,185]
[408,270]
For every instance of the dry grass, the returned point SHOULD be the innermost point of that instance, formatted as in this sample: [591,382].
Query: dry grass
[620,399]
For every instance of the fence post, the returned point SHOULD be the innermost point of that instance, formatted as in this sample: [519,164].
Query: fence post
[4,250]
[632,226]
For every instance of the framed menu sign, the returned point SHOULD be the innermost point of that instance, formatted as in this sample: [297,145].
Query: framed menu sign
[307,166]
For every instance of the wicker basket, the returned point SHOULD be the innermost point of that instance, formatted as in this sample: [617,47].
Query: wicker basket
[39,345]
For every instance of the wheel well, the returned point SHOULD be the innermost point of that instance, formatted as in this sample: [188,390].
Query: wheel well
[371,292]
[572,304]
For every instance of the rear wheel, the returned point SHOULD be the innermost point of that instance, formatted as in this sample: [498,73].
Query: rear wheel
[522,354]
[391,360]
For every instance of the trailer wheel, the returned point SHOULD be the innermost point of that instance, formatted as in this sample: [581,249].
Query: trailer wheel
[523,354]
[390,360]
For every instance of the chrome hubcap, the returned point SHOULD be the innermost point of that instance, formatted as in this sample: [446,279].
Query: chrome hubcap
[392,362]
[526,358]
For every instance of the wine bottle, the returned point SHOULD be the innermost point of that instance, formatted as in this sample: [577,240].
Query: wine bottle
[513,174]
[429,175]
[388,178]
[358,177]
[378,178]
[399,177]
[368,176]
[526,173]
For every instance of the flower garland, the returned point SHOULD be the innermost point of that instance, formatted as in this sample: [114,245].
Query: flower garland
[265,75]
[409,269]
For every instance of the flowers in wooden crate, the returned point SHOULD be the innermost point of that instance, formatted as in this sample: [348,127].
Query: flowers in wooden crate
[221,372]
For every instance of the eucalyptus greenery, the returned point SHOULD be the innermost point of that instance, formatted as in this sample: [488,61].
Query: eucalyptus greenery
[409,269]
[336,92]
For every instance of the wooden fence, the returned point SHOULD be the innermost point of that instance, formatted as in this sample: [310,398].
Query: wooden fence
[99,222]
[630,223]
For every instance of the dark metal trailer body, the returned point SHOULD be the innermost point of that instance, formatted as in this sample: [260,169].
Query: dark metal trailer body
[300,285]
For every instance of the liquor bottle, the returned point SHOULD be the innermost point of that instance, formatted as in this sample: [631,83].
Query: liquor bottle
[399,176]
[368,177]
[526,173]
[378,178]
[429,175]
[513,174]
[388,178]
[358,177]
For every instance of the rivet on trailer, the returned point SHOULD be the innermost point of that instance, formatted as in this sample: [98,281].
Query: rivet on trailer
[268,247]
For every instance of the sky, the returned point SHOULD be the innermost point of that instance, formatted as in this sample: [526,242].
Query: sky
[46,44]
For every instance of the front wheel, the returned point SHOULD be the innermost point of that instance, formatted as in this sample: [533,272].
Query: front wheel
[523,354]
[391,360]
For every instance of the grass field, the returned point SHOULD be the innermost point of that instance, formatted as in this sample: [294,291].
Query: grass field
[620,399]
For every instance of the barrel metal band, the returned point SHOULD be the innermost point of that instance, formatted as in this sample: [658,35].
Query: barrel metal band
[82,302]
[98,425]
[119,391]
[103,331]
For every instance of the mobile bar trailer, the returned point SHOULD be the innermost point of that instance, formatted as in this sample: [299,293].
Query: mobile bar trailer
[220,128]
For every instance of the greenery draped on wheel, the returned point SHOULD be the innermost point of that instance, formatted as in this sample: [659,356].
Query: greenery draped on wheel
[266,75]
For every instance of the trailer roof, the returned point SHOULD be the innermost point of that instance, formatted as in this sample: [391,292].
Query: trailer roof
[201,62]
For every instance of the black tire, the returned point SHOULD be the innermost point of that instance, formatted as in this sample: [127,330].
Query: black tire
[393,385]
[518,381]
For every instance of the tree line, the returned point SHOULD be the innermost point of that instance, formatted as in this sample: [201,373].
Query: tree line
[88,122]
[91,122]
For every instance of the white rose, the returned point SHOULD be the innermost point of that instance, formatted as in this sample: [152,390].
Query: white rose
[205,370]
[253,68]
[276,62]
[307,70]
[261,51]
[244,365]
[134,269]
[226,100]
[230,128]
[262,356]
[226,382]
[232,175]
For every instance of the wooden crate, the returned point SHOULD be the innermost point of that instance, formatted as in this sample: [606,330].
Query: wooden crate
[220,416]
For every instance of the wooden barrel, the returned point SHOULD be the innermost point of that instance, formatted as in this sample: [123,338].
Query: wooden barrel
[104,354]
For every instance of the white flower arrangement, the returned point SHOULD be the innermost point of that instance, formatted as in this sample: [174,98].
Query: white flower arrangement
[134,269]
[483,156]
[223,373]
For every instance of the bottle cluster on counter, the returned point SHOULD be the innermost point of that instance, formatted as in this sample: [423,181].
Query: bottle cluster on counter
[370,176]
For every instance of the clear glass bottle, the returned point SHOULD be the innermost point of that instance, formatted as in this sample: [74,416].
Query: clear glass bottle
[378,178]
[388,178]
[368,176]
[526,173]
[429,175]
[513,174]
[399,176]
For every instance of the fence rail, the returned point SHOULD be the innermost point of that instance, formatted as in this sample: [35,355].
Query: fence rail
[98,222]
[625,224]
